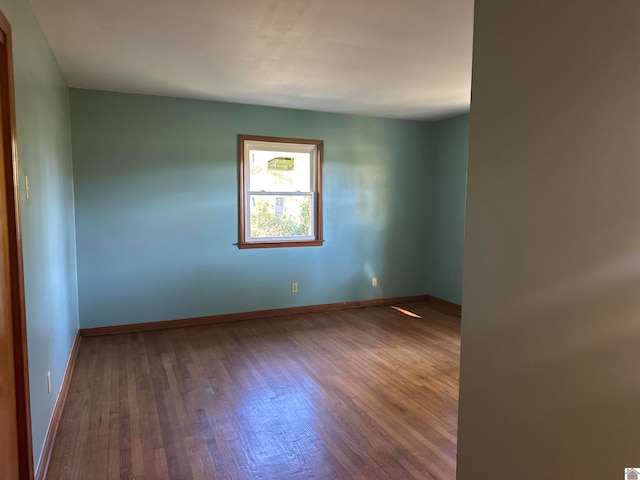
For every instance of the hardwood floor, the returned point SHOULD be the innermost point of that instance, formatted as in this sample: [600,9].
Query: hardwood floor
[353,394]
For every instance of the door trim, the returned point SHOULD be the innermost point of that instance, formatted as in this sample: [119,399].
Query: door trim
[21,361]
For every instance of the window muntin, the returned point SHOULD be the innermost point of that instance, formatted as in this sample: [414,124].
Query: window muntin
[280,192]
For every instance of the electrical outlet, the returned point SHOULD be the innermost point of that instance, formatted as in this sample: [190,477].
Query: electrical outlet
[374,281]
[294,288]
[49,381]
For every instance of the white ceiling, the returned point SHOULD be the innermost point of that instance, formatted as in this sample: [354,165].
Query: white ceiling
[388,58]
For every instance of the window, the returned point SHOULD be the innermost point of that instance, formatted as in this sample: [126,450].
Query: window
[280,192]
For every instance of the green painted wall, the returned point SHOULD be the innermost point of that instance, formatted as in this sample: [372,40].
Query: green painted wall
[44,151]
[450,188]
[156,209]
[156,184]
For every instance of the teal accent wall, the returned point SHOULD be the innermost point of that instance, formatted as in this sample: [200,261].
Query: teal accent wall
[156,185]
[156,209]
[450,188]
[44,151]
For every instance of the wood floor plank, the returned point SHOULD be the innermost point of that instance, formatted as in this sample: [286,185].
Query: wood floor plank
[355,394]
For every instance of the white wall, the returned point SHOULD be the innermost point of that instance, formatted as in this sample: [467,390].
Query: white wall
[550,380]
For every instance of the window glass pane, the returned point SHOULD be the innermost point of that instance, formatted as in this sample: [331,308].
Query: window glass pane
[280,216]
[272,171]
[281,185]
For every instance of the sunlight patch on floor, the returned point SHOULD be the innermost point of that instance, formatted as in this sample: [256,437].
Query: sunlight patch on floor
[407,312]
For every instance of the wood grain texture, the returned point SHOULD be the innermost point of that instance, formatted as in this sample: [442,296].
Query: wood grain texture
[362,393]
[47,449]
[234,317]
[445,305]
